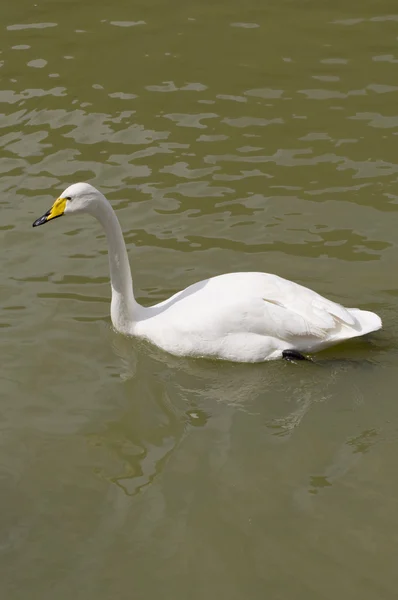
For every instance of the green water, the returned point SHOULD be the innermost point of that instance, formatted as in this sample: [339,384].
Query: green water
[228,136]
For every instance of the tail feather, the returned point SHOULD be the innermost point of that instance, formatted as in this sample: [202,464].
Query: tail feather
[368,321]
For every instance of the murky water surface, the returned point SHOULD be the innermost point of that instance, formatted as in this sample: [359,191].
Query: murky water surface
[228,136]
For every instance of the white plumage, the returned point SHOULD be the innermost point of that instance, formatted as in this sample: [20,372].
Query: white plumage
[243,317]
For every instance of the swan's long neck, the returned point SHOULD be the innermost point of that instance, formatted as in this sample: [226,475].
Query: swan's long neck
[124,308]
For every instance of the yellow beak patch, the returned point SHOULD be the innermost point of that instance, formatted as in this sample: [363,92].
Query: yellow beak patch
[57,210]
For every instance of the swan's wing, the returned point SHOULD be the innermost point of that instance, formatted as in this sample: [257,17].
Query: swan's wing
[258,303]
[269,305]
[319,315]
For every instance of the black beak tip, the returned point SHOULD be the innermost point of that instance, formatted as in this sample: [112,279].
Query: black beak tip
[40,221]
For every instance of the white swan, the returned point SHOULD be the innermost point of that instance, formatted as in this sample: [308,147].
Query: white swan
[242,317]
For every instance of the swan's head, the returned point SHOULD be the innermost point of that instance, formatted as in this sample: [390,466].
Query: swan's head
[77,198]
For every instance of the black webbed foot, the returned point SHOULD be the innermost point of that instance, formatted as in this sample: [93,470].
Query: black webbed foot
[292,355]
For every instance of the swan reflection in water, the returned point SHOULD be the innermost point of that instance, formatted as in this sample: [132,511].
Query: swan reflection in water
[170,396]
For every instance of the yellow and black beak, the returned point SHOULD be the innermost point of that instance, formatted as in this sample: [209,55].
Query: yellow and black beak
[57,210]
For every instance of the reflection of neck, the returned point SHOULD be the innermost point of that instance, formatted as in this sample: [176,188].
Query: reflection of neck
[124,308]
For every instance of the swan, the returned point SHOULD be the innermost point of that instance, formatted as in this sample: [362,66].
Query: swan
[240,317]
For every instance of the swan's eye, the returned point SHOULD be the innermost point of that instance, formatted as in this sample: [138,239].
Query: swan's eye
[68,198]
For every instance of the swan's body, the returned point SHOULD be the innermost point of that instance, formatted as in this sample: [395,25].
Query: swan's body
[243,317]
